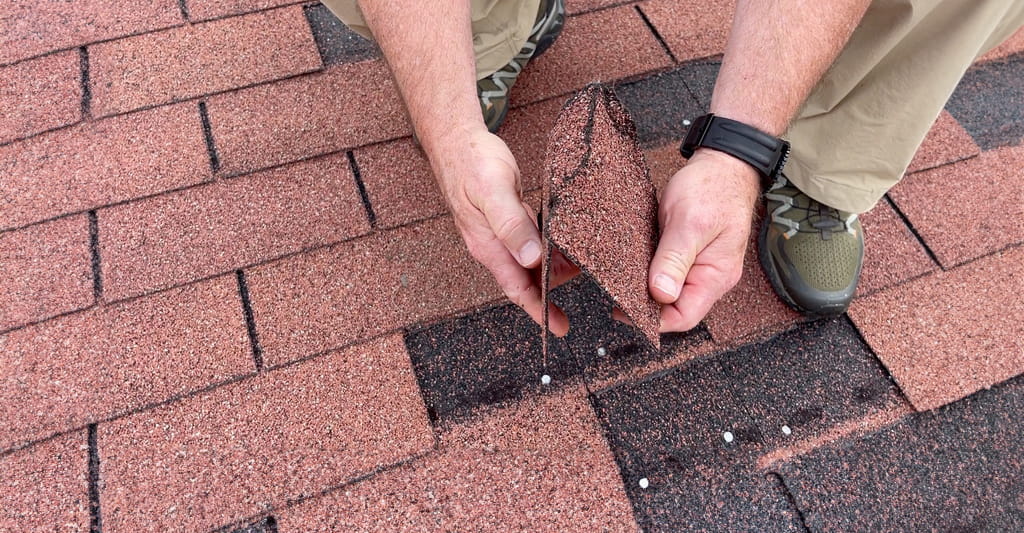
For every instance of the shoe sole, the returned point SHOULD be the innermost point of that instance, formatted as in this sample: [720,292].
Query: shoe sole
[768,266]
[558,19]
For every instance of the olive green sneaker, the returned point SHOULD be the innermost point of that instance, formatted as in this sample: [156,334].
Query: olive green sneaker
[493,90]
[811,252]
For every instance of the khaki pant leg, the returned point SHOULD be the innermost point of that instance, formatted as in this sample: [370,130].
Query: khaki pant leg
[859,129]
[500,28]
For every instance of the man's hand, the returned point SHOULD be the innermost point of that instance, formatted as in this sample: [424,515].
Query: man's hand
[705,215]
[481,182]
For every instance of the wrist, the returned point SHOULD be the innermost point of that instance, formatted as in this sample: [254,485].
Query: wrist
[744,175]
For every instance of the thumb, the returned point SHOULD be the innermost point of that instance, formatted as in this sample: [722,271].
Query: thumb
[676,253]
[513,226]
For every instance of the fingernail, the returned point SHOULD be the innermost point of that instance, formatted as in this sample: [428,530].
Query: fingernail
[666,285]
[529,253]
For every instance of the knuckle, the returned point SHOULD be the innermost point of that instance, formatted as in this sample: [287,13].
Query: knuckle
[508,227]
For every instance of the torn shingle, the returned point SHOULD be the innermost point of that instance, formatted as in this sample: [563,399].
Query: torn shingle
[601,210]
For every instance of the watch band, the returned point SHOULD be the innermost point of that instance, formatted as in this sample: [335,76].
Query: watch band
[767,154]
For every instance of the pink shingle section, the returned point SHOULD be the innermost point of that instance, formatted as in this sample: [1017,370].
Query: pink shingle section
[345,106]
[202,231]
[235,451]
[692,29]
[102,162]
[208,9]
[399,182]
[88,366]
[891,252]
[949,334]
[947,141]
[33,28]
[40,95]
[601,46]
[966,210]
[45,270]
[45,487]
[199,59]
[541,465]
[751,309]
[316,301]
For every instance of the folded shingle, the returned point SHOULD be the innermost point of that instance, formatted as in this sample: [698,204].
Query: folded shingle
[601,209]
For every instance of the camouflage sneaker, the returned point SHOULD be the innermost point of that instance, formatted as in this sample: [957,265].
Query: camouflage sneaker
[811,252]
[493,90]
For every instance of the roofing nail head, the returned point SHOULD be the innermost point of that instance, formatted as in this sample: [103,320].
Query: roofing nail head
[786,430]
[727,436]
[686,122]
[545,380]
[601,351]
[644,483]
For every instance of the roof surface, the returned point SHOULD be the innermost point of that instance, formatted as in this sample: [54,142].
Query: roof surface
[233,301]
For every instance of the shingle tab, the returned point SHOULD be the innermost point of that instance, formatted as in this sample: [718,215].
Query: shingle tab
[39,95]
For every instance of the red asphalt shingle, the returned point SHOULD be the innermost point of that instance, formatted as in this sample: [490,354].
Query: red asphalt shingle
[947,141]
[949,334]
[181,63]
[691,29]
[539,465]
[32,28]
[102,162]
[399,182]
[969,209]
[343,107]
[327,298]
[88,366]
[45,270]
[45,488]
[39,95]
[235,451]
[892,254]
[208,9]
[202,231]
[526,132]
[581,6]
[601,46]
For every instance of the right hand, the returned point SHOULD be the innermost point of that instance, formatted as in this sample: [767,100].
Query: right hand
[481,182]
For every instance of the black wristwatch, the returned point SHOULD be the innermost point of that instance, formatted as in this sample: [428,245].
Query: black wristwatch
[767,154]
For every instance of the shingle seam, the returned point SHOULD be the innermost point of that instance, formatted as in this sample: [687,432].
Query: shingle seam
[250,321]
[94,252]
[95,518]
[791,500]
[211,147]
[83,63]
[364,196]
[657,34]
[913,230]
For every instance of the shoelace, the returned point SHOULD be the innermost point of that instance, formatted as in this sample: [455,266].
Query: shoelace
[516,65]
[828,219]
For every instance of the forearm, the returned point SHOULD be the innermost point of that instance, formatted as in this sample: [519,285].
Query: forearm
[429,48]
[777,52]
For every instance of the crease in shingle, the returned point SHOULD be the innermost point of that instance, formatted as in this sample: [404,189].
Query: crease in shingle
[600,207]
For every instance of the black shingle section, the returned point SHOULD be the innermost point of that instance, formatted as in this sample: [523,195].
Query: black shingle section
[809,379]
[337,43]
[660,103]
[960,468]
[593,328]
[494,355]
[989,102]
[670,428]
[480,359]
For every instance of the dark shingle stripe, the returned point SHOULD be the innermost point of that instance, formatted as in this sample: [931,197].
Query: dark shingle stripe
[211,148]
[989,102]
[958,468]
[95,519]
[250,320]
[337,43]
[371,215]
[660,103]
[670,428]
